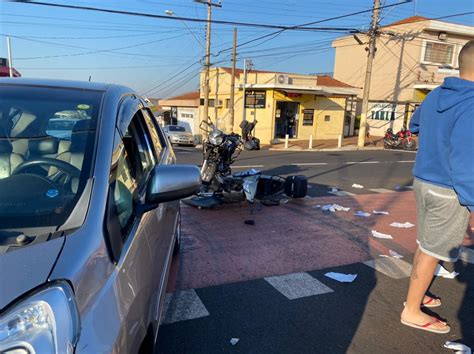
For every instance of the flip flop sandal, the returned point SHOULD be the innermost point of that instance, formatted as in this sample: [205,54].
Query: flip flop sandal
[426,326]
[432,302]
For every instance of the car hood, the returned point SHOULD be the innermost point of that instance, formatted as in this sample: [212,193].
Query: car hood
[26,268]
[180,133]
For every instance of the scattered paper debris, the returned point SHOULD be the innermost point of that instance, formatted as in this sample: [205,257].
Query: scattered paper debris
[358,186]
[398,187]
[284,201]
[405,225]
[458,348]
[317,206]
[234,341]
[381,235]
[442,272]
[343,278]
[362,214]
[380,212]
[334,189]
[334,207]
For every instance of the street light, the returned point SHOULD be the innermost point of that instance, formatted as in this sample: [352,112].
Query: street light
[172,13]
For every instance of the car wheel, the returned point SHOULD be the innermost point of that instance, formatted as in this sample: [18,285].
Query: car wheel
[178,233]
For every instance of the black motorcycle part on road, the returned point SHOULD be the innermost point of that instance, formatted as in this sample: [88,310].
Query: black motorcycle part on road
[296,186]
[269,186]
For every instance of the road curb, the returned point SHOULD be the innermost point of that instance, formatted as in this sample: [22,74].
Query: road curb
[329,149]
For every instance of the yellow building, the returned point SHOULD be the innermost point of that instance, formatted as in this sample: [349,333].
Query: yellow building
[282,103]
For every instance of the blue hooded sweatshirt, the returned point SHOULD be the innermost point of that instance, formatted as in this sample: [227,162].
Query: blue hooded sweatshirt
[445,124]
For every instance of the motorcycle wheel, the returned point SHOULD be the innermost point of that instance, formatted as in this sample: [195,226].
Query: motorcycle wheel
[409,145]
[207,172]
[386,145]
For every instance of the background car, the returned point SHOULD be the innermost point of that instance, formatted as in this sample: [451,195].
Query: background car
[179,135]
[89,218]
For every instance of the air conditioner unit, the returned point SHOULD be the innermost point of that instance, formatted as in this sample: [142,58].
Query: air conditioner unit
[282,79]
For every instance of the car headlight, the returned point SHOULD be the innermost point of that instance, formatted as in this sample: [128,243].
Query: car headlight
[45,322]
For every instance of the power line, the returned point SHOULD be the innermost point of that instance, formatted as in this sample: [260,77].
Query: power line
[189,19]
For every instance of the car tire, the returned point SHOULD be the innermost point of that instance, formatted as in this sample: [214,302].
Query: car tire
[178,234]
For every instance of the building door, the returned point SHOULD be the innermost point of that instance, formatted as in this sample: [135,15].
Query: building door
[286,120]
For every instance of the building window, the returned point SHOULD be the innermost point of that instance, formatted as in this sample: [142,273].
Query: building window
[187,115]
[439,53]
[308,116]
[212,102]
[227,103]
[327,118]
[201,101]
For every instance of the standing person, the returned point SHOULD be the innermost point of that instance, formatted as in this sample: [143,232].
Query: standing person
[444,185]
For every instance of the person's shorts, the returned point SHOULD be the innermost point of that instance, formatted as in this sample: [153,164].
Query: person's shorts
[442,221]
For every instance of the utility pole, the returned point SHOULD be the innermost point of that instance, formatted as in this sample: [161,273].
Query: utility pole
[368,73]
[207,64]
[232,82]
[247,65]
[10,62]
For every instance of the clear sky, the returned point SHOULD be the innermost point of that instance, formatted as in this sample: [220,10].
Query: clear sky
[146,54]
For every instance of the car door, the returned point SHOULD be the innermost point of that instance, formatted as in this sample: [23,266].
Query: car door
[132,163]
[162,227]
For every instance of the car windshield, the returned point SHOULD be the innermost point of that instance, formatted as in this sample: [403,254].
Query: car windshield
[176,128]
[47,140]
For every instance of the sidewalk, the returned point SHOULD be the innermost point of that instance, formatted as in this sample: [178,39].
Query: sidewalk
[348,144]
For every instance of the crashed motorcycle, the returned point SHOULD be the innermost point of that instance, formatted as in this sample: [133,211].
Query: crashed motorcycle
[220,185]
[401,140]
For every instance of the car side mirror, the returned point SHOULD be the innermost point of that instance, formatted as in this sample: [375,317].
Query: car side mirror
[172,182]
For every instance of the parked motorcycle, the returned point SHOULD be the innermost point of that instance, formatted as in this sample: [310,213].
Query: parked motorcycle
[401,140]
[250,142]
[220,186]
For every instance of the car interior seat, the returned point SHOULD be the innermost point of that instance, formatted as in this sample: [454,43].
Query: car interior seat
[9,160]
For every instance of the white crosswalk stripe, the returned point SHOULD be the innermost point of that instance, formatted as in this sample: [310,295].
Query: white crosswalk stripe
[298,285]
[391,267]
[183,305]
[381,190]
[342,193]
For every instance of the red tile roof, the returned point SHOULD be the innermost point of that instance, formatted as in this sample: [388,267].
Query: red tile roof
[407,20]
[186,96]
[321,80]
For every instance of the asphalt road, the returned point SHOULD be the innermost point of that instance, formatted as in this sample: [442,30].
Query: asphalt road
[376,171]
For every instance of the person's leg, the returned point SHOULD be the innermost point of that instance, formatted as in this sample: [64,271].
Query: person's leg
[423,270]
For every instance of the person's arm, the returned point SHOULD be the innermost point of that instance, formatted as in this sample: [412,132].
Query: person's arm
[462,159]
[415,121]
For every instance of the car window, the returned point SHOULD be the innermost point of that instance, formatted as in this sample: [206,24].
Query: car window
[176,128]
[41,179]
[132,162]
[154,133]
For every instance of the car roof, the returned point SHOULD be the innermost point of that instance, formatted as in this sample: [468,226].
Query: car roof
[69,84]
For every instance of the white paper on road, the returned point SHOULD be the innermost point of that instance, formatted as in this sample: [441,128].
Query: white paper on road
[340,277]
[362,214]
[405,225]
[380,212]
[334,207]
[393,254]
[334,189]
[358,186]
[317,206]
[381,235]
[458,348]
[442,272]
[234,341]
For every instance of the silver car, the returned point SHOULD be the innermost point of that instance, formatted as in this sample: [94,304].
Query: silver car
[179,135]
[88,220]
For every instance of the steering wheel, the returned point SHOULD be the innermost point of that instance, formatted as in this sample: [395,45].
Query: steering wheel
[46,161]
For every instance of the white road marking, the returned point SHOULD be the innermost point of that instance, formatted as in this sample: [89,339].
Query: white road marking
[407,161]
[250,166]
[409,187]
[342,193]
[466,254]
[183,305]
[391,267]
[298,285]
[361,162]
[381,190]
[310,164]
